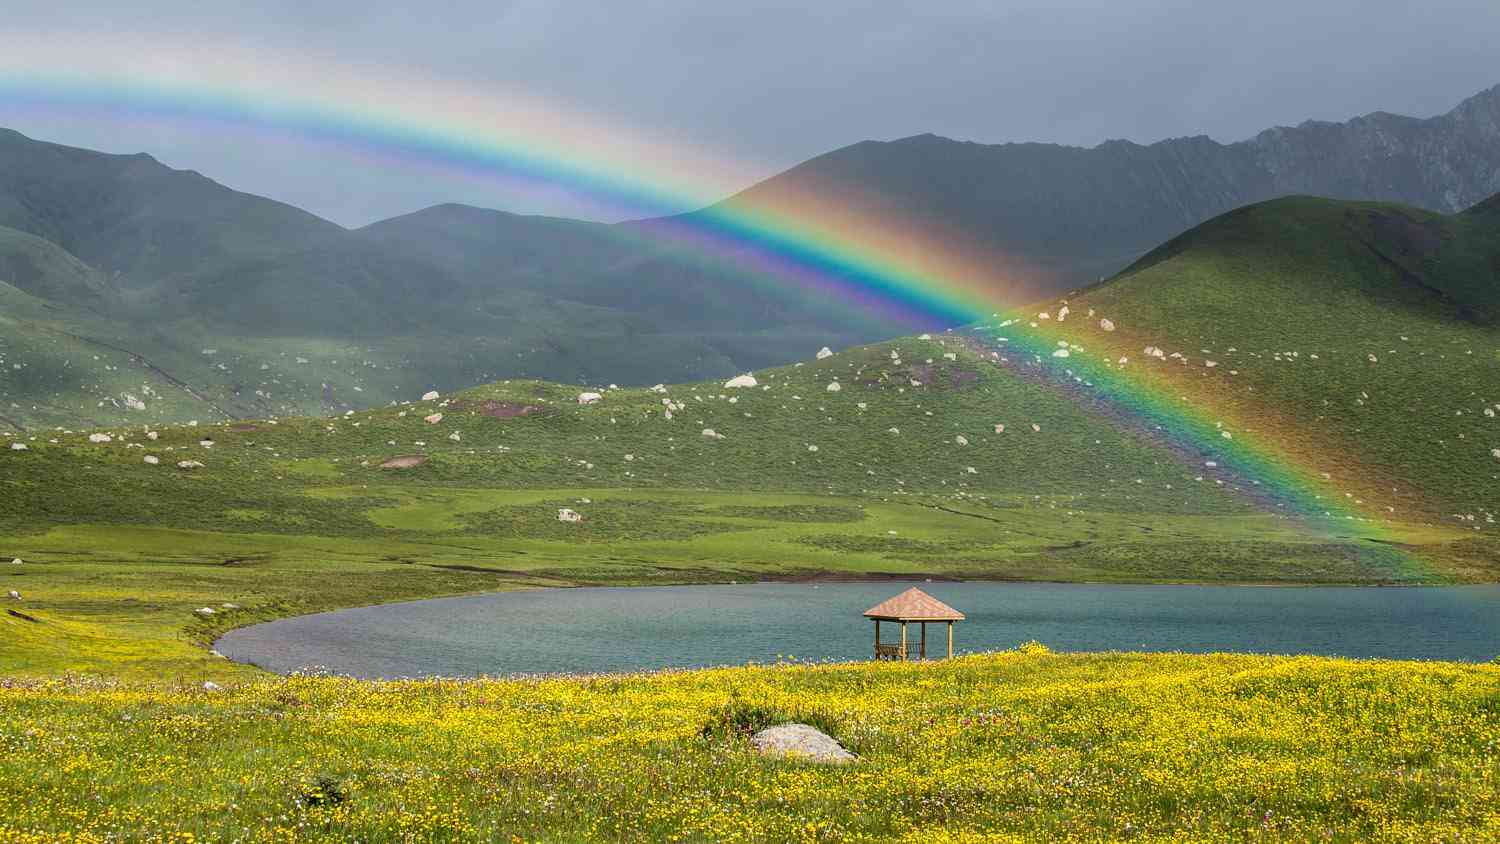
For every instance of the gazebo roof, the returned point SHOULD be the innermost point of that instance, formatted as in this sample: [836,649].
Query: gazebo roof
[913,605]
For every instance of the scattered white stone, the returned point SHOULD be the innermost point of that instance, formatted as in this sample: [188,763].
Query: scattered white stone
[17,561]
[999,429]
[433,419]
[152,436]
[971,470]
[1061,353]
[799,741]
[812,448]
[206,443]
[711,434]
[1107,325]
[430,395]
[950,356]
[100,438]
[1063,312]
[961,439]
[455,437]
[14,594]
[204,611]
[834,387]
[566,515]
[1036,428]
[746,380]
[151,460]
[189,464]
[825,352]
[19,447]
[589,398]
[894,430]
[629,458]
[211,686]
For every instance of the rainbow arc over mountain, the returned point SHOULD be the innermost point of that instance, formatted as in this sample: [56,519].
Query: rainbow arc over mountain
[801,236]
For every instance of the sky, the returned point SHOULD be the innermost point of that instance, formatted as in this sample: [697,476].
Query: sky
[761,86]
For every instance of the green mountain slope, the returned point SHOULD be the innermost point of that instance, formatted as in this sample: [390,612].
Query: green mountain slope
[1359,339]
[138,221]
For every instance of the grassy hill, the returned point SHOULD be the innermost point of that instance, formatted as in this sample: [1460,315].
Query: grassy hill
[1360,339]
[899,472]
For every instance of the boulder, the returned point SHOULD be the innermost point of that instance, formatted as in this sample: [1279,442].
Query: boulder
[431,395]
[589,398]
[433,419]
[742,381]
[566,515]
[825,352]
[14,594]
[834,387]
[800,741]
[1107,325]
[189,464]
[19,447]
[100,438]
[151,460]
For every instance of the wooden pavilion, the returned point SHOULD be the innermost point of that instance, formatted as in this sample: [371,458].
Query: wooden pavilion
[911,606]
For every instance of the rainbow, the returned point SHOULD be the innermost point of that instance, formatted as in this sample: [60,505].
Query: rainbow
[798,236]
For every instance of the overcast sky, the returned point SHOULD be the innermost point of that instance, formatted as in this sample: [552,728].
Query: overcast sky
[773,83]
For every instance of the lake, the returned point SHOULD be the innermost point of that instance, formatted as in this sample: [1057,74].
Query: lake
[629,629]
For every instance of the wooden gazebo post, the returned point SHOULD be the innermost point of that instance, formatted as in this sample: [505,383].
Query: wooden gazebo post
[913,605]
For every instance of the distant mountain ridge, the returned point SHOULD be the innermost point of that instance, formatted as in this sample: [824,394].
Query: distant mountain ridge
[269,309]
[1074,214]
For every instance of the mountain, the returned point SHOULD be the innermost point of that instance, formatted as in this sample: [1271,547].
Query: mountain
[136,220]
[119,273]
[1359,339]
[1072,215]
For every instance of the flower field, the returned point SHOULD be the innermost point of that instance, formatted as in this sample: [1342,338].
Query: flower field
[1020,745]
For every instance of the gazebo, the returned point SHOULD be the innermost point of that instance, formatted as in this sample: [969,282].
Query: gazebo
[913,605]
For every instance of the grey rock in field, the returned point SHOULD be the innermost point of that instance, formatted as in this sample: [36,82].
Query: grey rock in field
[799,741]
[211,686]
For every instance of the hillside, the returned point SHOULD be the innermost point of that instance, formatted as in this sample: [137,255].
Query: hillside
[918,457]
[1358,339]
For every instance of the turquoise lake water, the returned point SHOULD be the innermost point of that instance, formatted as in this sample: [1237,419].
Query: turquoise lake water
[628,629]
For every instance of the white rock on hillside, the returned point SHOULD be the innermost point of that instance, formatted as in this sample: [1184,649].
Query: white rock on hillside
[189,464]
[430,395]
[19,447]
[800,741]
[100,438]
[1107,325]
[746,380]
[566,515]
[14,594]
[999,429]
[151,460]
[961,439]
[433,419]
[825,352]
[589,398]
[711,434]
[834,387]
